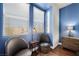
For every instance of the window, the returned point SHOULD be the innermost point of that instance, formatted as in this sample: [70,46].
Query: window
[16,19]
[38,21]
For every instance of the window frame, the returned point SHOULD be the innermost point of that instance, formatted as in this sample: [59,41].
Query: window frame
[32,6]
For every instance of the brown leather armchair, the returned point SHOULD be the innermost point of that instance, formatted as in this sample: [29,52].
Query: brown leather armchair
[15,45]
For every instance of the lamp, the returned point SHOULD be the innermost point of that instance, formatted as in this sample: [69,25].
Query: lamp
[34,30]
[70,28]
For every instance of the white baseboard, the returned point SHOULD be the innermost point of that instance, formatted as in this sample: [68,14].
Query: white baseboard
[51,47]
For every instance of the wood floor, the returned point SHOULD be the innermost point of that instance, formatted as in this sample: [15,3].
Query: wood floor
[58,52]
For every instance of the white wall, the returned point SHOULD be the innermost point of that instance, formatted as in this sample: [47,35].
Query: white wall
[55,15]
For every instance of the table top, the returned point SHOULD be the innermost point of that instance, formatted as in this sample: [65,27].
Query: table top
[34,42]
[72,37]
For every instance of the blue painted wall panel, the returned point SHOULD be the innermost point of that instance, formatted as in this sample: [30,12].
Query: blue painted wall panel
[1,30]
[69,16]
[1,19]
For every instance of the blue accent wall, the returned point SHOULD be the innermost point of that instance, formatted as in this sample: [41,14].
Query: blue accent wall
[1,30]
[1,18]
[69,16]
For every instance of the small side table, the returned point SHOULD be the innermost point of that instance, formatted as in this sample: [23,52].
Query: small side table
[34,45]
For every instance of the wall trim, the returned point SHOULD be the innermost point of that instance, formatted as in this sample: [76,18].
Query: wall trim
[51,47]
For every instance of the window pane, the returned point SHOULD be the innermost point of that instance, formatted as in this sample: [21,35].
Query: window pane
[38,20]
[16,19]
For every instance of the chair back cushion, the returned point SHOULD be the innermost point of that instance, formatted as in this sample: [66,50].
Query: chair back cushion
[44,38]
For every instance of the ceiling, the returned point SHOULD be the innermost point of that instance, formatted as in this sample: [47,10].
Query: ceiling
[59,5]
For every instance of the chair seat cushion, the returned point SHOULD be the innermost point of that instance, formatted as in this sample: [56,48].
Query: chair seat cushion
[44,47]
[24,52]
[44,44]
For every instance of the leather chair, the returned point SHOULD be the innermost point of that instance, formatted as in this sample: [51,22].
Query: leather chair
[44,43]
[15,45]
